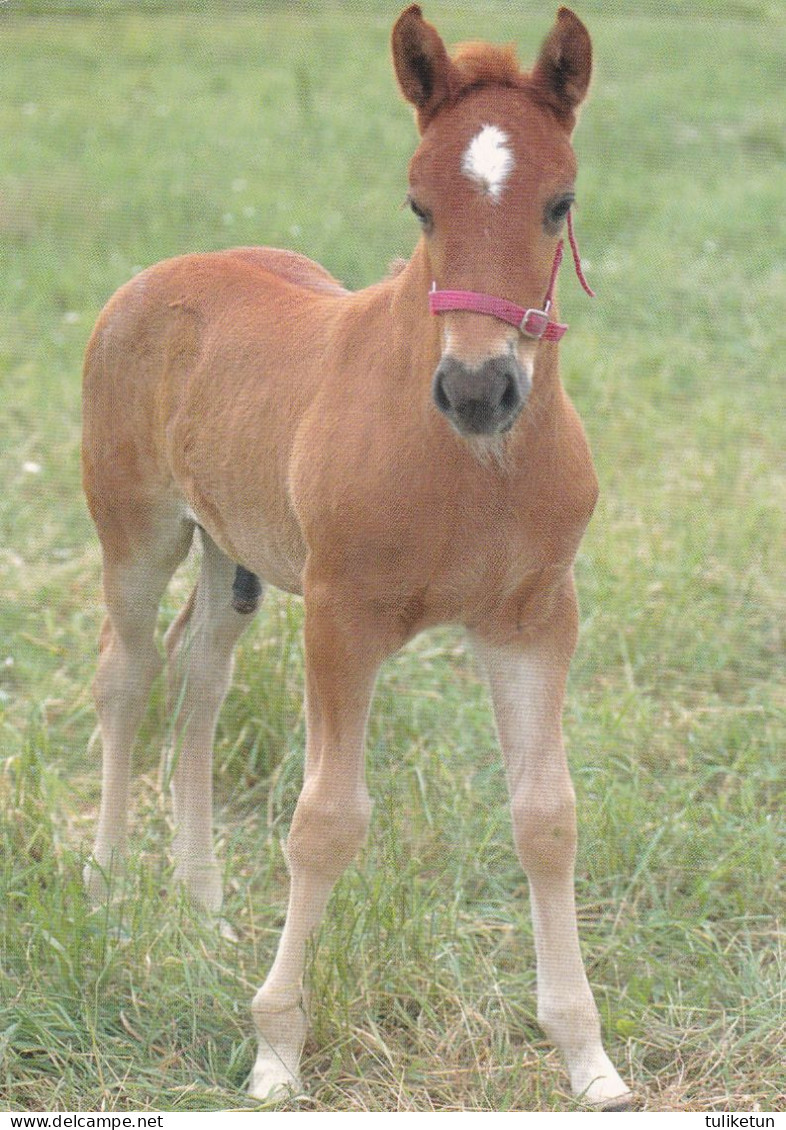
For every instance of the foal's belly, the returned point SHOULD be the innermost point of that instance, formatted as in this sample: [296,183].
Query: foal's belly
[274,550]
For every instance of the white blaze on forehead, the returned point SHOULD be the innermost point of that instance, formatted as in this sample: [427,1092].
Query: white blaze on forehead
[488,160]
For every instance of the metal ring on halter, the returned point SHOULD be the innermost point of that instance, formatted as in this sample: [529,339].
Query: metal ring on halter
[534,323]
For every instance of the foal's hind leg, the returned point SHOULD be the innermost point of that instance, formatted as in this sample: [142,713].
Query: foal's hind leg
[134,582]
[527,685]
[199,646]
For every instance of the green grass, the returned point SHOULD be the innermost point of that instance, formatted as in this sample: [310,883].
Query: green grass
[151,129]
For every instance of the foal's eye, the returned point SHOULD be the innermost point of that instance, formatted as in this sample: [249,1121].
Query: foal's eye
[423,216]
[557,211]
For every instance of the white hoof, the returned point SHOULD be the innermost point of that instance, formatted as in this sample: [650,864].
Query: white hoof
[271,1081]
[227,931]
[202,881]
[99,881]
[598,1085]
[282,1033]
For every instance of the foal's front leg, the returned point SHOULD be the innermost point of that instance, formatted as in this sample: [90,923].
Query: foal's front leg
[527,685]
[343,653]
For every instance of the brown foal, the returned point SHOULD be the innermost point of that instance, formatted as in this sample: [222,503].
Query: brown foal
[400,466]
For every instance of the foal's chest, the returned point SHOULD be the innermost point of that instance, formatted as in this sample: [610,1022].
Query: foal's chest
[465,537]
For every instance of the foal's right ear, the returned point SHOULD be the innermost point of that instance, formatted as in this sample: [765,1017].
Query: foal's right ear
[423,67]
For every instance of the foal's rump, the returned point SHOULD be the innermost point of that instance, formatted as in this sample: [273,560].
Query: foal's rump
[196,377]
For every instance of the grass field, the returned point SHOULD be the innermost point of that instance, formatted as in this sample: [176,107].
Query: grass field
[134,131]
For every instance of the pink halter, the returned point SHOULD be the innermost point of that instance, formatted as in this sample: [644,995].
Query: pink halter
[531,323]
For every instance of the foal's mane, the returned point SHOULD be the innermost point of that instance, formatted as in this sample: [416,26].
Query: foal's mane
[486,64]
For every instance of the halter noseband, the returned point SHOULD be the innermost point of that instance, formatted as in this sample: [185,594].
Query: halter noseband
[529,322]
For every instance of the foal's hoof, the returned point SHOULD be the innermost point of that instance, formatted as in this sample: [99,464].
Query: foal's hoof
[624,1102]
[599,1087]
[271,1082]
[604,1095]
[227,931]
[97,881]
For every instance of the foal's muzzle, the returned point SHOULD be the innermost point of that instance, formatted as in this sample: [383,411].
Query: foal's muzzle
[481,401]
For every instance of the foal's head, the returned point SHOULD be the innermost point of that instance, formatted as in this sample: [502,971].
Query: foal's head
[491,183]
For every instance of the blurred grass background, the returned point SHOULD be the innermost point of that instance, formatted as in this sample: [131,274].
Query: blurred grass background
[134,131]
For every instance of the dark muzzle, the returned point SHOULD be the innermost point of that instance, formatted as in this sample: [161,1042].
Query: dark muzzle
[482,401]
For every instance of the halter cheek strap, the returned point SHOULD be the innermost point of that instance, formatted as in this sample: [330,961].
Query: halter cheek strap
[529,322]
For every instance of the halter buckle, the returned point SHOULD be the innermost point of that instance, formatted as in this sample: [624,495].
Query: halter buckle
[534,323]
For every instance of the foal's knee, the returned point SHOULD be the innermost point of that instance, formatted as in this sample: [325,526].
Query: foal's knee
[125,672]
[328,829]
[544,829]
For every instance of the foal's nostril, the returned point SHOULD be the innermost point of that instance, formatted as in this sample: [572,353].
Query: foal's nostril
[440,396]
[510,397]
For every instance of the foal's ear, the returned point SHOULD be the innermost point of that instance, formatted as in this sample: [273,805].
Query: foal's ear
[561,75]
[423,66]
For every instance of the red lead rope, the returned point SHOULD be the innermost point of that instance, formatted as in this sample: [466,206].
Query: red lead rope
[530,322]
[577,257]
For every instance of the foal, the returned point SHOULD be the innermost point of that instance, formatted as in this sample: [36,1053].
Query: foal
[402,457]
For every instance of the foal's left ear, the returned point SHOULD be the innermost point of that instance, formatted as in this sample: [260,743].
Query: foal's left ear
[561,75]
[423,67]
